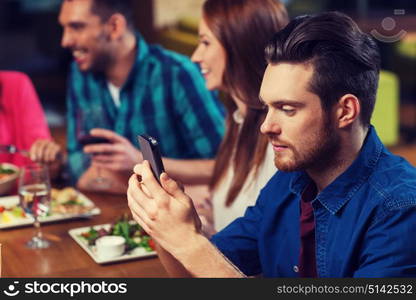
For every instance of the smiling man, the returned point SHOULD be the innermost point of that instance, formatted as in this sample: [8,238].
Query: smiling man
[341,205]
[138,88]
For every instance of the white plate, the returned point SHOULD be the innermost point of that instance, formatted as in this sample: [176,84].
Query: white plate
[11,201]
[138,252]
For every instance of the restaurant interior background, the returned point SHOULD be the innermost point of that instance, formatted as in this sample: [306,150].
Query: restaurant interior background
[30,42]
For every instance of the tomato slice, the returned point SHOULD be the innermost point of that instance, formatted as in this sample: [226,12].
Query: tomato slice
[152,244]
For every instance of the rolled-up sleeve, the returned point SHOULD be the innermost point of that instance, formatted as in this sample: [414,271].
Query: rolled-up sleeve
[239,240]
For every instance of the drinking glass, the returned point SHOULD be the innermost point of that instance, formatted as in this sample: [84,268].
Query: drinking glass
[34,195]
[88,119]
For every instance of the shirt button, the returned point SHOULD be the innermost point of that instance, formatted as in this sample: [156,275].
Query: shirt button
[295,269]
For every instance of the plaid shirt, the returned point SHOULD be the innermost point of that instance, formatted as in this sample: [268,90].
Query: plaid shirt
[164,96]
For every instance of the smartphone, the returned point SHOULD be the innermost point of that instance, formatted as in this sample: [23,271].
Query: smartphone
[150,150]
[89,139]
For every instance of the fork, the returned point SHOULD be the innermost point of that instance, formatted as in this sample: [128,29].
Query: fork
[13,149]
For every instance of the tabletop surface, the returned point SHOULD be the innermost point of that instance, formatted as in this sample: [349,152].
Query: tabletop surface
[65,258]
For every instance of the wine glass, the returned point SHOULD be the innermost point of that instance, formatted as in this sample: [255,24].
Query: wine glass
[88,119]
[34,195]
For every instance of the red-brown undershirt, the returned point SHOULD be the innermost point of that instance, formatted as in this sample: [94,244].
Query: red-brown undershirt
[307,258]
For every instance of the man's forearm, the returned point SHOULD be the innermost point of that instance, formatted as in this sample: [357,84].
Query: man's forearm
[171,264]
[190,171]
[201,259]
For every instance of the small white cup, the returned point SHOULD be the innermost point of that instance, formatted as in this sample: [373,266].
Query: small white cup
[110,246]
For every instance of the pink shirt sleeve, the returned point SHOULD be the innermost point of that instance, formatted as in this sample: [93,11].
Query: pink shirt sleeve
[21,115]
[33,125]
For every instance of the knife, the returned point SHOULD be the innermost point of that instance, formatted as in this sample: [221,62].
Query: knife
[13,149]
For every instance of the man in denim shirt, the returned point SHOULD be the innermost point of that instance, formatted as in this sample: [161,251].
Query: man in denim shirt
[341,204]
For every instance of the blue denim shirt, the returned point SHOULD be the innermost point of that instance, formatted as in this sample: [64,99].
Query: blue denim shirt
[365,221]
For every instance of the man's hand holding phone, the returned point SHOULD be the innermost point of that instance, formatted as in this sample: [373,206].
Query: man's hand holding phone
[151,153]
[116,155]
[163,210]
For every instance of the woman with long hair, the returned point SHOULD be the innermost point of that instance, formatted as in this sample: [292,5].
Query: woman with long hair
[233,35]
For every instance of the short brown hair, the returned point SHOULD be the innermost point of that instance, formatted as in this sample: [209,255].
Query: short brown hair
[345,60]
[106,8]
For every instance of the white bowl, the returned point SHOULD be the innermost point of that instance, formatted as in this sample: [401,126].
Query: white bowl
[8,182]
[110,246]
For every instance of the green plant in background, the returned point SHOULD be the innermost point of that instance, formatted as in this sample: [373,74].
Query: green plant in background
[405,65]
[301,7]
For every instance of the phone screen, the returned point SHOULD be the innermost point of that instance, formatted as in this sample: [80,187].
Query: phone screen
[150,150]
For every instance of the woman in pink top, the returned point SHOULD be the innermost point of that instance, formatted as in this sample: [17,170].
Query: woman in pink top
[23,122]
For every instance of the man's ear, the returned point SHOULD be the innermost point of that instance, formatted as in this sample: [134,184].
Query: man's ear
[348,110]
[117,25]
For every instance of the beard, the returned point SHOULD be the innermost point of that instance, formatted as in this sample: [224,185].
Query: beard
[101,63]
[102,59]
[317,152]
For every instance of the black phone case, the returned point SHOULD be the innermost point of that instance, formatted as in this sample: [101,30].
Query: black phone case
[150,150]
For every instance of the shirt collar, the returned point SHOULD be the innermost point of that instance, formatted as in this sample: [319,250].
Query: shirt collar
[142,52]
[142,48]
[344,187]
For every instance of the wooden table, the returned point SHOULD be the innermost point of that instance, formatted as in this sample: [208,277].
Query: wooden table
[65,258]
